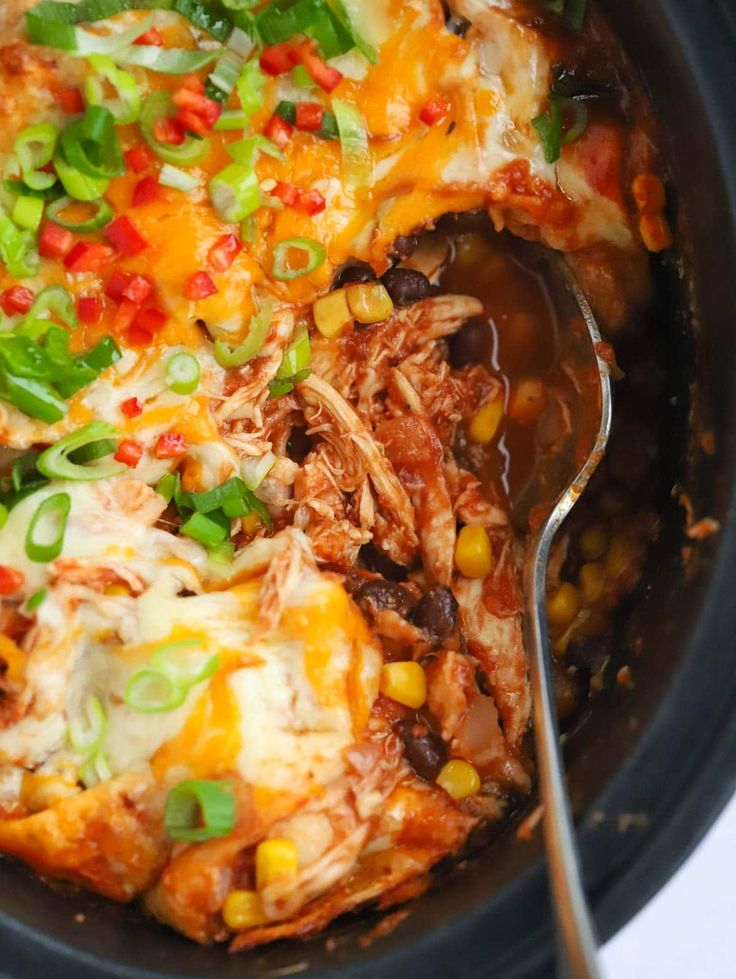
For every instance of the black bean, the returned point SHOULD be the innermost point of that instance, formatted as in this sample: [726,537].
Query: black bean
[360,272]
[436,613]
[378,594]
[471,345]
[406,286]
[425,751]
[375,560]
[299,445]
[405,245]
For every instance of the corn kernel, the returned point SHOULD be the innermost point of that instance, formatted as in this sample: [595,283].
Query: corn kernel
[369,302]
[655,232]
[473,554]
[484,426]
[117,589]
[459,779]
[592,577]
[406,683]
[594,542]
[275,858]
[527,400]
[471,249]
[562,607]
[332,313]
[250,522]
[648,192]
[619,559]
[242,909]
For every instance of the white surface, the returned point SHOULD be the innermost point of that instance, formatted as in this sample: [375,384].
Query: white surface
[689,930]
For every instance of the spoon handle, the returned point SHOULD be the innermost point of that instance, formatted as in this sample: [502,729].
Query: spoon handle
[577,944]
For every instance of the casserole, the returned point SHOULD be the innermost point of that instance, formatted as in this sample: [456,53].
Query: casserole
[465,888]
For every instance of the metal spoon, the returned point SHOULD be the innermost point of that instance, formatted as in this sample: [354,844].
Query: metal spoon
[577,944]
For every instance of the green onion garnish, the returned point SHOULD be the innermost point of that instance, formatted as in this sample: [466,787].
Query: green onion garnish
[34,148]
[37,598]
[199,810]
[182,373]
[79,185]
[96,769]
[28,213]
[153,692]
[205,529]
[168,659]
[235,192]
[17,249]
[284,271]
[294,366]
[357,160]
[171,176]
[88,735]
[102,215]
[221,83]
[91,145]
[45,536]
[229,357]
[126,105]
[55,463]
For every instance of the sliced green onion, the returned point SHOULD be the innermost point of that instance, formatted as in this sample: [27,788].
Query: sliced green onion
[249,230]
[171,176]
[34,398]
[4,514]
[327,23]
[165,61]
[45,536]
[579,121]
[126,105]
[240,42]
[367,50]
[37,598]
[254,471]
[152,691]
[34,148]
[95,770]
[93,451]
[302,78]
[115,44]
[17,249]
[88,736]
[159,105]
[235,192]
[91,144]
[204,529]
[205,16]
[103,214]
[28,213]
[166,486]
[77,184]
[229,357]
[357,159]
[250,88]
[223,553]
[103,355]
[246,151]
[182,373]
[54,462]
[55,300]
[200,809]
[549,128]
[297,357]
[169,660]
[221,83]
[284,271]
[231,119]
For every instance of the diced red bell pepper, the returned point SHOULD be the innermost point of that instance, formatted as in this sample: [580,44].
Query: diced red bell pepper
[287,193]
[139,158]
[311,202]
[169,131]
[170,445]
[129,452]
[125,314]
[309,116]
[323,74]
[150,321]
[70,100]
[132,407]
[145,191]
[138,289]
[199,286]
[223,252]
[124,235]
[10,580]
[197,113]
[152,36]
[55,242]
[191,122]
[89,309]
[17,299]
[88,258]
[279,59]
[279,131]
[434,110]
[136,337]
[116,285]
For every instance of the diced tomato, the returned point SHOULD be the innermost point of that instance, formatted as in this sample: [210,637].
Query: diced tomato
[10,580]
[287,193]
[18,299]
[324,75]
[129,452]
[170,445]
[88,258]
[125,314]
[279,131]
[124,235]
[279,59]
[132,407]
[434,110]
[223,252]
[199,286]
[311,202]
[139,158]
[309,116]
[152,36]
[55,242]
[145,191]
[89,309]
[169,131]
[138,289]
[150,321]
[70,100]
